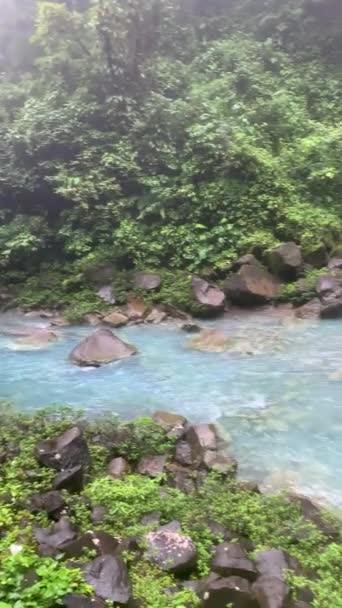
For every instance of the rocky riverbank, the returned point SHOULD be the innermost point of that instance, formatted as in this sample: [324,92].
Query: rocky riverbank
[150,514]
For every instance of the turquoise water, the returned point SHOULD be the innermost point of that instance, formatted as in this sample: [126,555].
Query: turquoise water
[280,408]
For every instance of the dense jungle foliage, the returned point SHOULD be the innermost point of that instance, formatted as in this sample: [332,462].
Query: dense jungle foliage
[166,133]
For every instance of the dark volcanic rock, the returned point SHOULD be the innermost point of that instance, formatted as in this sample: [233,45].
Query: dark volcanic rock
[184,453]
[271,592]
[152,465]
[98,514]
[251,286]
[50,502]
[231,560]
[73,600]
[331,308]
[220,463]
[65,451]
[147,280]
[57,535]
[101,541]
[220,592]
[174,424]
[246,260]
[70,479]
[201,437]
[171,550]
[310,310]
[101,347]
[208,295]
[314,514]
[272,563]
[109,578]
[182,479]
[285,261]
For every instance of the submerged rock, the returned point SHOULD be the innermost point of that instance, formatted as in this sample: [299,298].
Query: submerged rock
[252,285]
[211,340]
[100,348]
[34,338]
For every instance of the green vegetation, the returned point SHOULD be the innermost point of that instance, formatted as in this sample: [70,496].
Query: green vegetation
[267,521]
[164,134]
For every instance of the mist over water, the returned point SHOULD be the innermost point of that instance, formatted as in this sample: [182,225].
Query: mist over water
[277,397]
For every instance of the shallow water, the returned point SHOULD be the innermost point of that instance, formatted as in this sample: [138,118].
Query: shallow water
[281,407]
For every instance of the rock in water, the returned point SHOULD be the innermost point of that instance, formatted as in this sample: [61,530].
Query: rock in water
[210,340]
[100,348]
[251,286]
[285,261]
[208,295]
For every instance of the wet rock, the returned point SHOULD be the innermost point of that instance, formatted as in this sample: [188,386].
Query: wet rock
[65,451]
[39,338]
[93,319]
[251,286]
[170,550]
[325,284]
[118,468]
[210,340]
[70,479]
[201,437]
[271,592]
[190,328]
[331,308]
[73,600]
[208,295]
[184,453]
[59,321]
[109,578]
[335,263]
[220,463]
[106,294]
[100,348]
[285,261]
[310,310]
[220,592]
[153,466]
[230,559]
[136,309]
[156,316]
[103,543]
[57,535]
[116,319]
[51,502]
[174,424]
[147,280]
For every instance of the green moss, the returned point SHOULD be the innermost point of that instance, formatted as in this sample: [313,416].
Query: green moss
[303,290]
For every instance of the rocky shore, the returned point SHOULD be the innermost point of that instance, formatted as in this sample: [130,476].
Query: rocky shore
[150,514]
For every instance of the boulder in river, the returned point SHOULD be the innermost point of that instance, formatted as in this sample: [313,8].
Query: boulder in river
[147,280]
[116,319]
[208,295]
[211,340]
[252,285]
[33,338]
[100,348]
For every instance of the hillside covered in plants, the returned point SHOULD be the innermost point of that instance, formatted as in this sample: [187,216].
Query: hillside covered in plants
[173,134]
